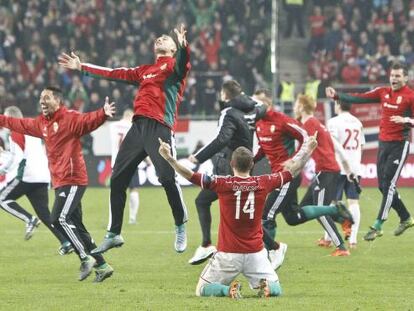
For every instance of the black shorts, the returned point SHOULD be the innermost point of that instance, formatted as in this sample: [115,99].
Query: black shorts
[344,185]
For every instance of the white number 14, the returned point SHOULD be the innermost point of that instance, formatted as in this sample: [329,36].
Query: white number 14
[248,207]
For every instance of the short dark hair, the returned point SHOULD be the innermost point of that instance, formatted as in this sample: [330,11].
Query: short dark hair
[345,106]
[396,65]
[56,91]
[242,159]
[265,92]
[232,88]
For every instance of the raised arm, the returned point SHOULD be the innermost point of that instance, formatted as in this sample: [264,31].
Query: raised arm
[182,56]
[85,123]
[165,152]
[127,75]
[27,126]
[373,96]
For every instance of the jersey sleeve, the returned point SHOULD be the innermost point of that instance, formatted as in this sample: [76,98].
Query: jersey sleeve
[84,123]
[333,129]
[27,126]
[204,181]
[127,75]
[182,61]
[274,181]
[373,96]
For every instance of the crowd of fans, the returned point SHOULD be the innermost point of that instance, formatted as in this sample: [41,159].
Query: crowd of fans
[229,38]
[354,43]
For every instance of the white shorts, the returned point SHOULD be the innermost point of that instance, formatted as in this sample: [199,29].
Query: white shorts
[224,267]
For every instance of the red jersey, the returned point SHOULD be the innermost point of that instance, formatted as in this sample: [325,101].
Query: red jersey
[393,103]
[161,85]
[277,133]
[324,154]
[61,134]
[241,202]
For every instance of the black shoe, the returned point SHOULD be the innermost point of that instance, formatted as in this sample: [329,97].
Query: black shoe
[86,267]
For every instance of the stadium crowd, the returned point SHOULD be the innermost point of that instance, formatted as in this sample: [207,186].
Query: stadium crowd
[356,42]
[225,42]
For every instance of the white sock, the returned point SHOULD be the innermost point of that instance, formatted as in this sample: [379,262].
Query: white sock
[133,206]
[356,214]
[327,237]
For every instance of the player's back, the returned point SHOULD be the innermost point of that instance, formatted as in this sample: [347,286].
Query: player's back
[347,130]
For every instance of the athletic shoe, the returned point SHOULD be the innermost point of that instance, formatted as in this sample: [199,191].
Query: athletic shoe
[103,273]
[234,290]
[372,234]
[202,254]
[343,212]
[31,227]
[180,238]
[66,248]
[340,252]
[404,226]
[276,256]
[347,229]
[264,289]
[324,243]
[111,240]
[86,267]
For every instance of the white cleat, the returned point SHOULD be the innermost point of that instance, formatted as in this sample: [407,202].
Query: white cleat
[277,256]
[202,254]
[180,238]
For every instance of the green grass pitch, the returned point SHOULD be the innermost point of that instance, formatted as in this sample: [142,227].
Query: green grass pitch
[149,275]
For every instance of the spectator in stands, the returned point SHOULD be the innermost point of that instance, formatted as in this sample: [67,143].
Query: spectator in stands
[294,10]
[317,28]
[351,73]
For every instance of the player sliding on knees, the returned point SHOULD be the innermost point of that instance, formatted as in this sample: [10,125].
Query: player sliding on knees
[240,240]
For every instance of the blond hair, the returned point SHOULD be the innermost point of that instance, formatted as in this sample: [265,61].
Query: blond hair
[307,103]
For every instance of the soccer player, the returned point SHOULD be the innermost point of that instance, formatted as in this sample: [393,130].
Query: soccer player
[240,243]
[32,180]
[61,130]
[118,131]
[277,133]
[347,130]
[155,109]
[397,100]
[323,187]
[233,132]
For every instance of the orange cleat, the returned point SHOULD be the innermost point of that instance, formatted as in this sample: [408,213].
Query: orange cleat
[340,252]
[324,243]
[264,290]
[234,290]
[346,228]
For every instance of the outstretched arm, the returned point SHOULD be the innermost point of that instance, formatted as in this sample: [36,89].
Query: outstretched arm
[73,62]
[182,56]
[373,96]
[27,126]
[165,152]
[402,120]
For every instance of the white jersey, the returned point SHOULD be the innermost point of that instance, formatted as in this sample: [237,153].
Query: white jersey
[118,131]
[347,130]
[27,161]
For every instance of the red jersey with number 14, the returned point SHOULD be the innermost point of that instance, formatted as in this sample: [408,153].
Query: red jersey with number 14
[324,154]
[241,203]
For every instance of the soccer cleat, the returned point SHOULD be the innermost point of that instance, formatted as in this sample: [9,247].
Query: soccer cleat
[404,225]
[234,290]
[86,267]
[346,229]
[264,289]
[66,248]
[180,238]
[324,243]
[202,254]
[343,212]
[340,252]
[372,234]
[103,273]
[31,226]
[276,256]
[111,240]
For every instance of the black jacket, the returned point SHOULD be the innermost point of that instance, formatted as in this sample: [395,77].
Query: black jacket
[234,129]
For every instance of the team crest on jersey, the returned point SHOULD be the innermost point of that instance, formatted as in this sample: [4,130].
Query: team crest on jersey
[163,66]
[55,127]
[45,131]
[399,100]
[387,96]
[272,128]
[258,129]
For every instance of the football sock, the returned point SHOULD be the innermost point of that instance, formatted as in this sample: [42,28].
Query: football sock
[314,211]
[356,215]
[275,289]
[133,205]
[215,289]
[378,224]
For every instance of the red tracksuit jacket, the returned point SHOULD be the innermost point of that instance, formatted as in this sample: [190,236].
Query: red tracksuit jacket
[61,134]
[161,85]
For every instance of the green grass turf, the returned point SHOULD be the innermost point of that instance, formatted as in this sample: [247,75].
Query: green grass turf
[149,275]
